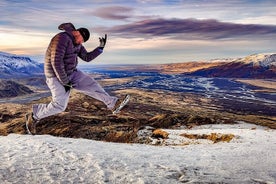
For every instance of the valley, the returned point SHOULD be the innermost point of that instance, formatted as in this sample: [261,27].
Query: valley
[162,96]
[157,101]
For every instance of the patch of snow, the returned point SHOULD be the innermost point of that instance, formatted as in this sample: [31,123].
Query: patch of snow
[219,60]
[248,158]
[270,60]
[15,64]
[263,60]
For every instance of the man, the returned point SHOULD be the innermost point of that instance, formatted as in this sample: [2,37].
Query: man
[62,75]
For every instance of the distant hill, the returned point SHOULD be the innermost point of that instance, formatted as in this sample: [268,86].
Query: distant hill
[188,67]
[10,88]
[14,66]
[256,66]
[261,66]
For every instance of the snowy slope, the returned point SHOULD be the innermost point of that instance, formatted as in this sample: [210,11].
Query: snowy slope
[15,66]
[261,66]
[248,158]
[262,60]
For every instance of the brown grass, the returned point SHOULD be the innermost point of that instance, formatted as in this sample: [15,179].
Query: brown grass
[215,137]
[268,84]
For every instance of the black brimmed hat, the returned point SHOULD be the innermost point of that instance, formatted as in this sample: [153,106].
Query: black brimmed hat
[84,33]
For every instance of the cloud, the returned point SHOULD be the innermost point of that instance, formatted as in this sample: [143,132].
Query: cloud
[113,12]
[191,29]
[16,41]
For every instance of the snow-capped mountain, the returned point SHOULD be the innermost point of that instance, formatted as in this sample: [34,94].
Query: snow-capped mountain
[261,66]
[12,65]
[262,60]
[253,66]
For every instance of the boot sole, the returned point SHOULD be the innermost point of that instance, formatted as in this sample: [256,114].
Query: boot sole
[27,128]
[126,100]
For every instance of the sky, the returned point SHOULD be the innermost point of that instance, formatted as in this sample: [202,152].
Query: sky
[144,31]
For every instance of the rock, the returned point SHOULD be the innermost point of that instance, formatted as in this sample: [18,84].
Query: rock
[85,104]
[158,133]
[144,134]
[215,137]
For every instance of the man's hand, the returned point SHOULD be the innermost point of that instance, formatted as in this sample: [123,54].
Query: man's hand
[68,87]
[103,41]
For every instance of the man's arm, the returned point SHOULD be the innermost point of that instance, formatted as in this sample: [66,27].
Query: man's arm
[89,56]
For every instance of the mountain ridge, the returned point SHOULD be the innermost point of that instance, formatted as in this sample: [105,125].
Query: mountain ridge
[14,66]
[264,60]
[256,66]
[9,88]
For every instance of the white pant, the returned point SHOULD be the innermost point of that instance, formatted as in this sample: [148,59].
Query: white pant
[60,97]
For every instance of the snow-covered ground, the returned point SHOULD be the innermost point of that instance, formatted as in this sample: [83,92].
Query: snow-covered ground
[248,158]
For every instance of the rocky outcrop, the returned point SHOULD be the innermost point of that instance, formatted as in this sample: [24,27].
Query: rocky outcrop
[9,88]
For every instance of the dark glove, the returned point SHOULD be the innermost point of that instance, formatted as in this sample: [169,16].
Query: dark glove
[68,86]
[103,41]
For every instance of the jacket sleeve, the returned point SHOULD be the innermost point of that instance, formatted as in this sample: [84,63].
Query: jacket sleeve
[57,57]
[89,56]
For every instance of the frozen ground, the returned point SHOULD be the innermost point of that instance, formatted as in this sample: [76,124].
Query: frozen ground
[248,158]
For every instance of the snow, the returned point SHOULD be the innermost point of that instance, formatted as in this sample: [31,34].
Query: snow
[263,60]
[248,158]
[11,63]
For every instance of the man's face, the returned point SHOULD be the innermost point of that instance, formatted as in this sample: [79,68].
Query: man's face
[78,37]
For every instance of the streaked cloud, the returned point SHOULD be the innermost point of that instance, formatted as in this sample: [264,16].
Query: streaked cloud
[23,42]
[144,31]
[191,29]
[114,12]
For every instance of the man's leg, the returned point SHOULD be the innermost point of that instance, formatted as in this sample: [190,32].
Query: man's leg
[92,88]
[59,101]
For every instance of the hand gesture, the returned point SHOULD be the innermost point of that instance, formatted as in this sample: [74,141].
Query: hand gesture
[103,41]
[68,87]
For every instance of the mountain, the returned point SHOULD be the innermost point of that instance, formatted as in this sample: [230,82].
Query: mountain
[261,66]
[10,88]
[262,60]
[256,66]
[188,67]
[15,66]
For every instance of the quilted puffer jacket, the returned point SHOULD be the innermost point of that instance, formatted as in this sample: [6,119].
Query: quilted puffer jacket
[61,57]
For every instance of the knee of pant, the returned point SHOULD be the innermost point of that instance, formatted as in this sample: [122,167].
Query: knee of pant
[60,106]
